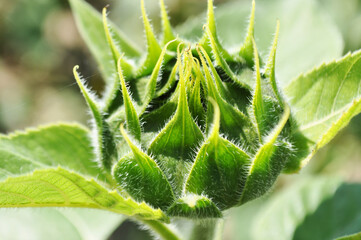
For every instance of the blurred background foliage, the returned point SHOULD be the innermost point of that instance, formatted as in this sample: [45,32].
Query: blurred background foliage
[39,45]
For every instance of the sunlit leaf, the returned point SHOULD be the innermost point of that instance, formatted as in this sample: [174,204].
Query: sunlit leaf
[66,145]
[323,101]
[61,188]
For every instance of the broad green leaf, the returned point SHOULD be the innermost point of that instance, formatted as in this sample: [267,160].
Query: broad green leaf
[285,211]
[142,178]
[57,223]
[194,206]
[337,216]
[356,236]
[61,188]
[267,163]
[319,39]
[90,25]
[314,208]
[105,147]
[66,145]
[323,101]
[220,169]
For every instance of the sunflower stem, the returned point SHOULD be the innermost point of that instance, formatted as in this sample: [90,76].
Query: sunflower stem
[161,229]
[206,230]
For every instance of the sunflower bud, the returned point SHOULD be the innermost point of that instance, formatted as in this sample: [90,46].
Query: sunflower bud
[202,129]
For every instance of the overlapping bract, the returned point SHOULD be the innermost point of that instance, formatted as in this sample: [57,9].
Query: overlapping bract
[202,140]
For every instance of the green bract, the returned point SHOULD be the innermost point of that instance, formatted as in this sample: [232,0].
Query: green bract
[186,129]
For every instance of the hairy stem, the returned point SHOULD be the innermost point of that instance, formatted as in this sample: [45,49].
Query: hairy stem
[161,229]
[210,229]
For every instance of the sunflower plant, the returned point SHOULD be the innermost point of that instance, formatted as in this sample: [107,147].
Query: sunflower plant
[184,129]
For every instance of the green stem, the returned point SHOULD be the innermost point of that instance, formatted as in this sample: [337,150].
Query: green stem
[162,229]
[210,229]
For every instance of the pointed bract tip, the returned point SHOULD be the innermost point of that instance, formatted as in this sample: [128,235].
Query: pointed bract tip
[210,5]
[76,75]
[120,61]
[251,18]
[127,139]
[142,6]
[104,11]
[122,130]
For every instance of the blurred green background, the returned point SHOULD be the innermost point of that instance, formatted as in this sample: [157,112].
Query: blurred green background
[39,45]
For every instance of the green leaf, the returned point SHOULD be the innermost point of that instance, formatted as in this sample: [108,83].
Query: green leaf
[90,25]
[220,169]
[285,211]
[336,216]
[323,101]
[141,177]
[314,208]
[266,164]
[61,188]
[66,145]
[58,223]
[356,236]
[194,206]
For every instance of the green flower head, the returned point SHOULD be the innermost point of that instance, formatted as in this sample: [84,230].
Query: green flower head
[193,128]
